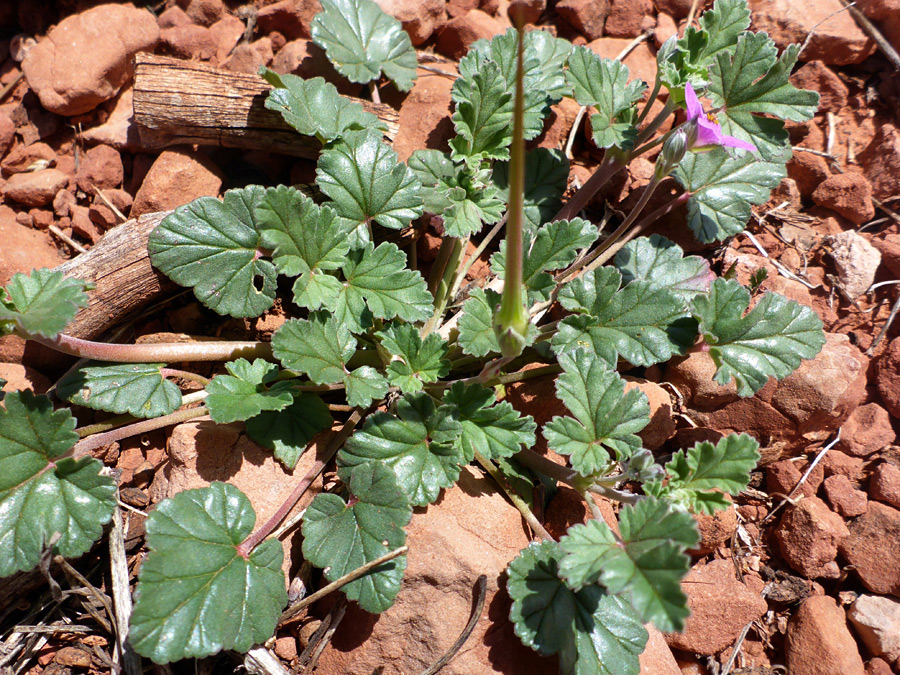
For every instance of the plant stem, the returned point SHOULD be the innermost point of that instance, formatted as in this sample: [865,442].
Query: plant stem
[505,378]
[166,352]
[121,420]
[246,547]
[517,501]
[442,288]
[607,169]
[650,99]
[548,467]
[184,375]
[651,128]
[85,445]
[476,254]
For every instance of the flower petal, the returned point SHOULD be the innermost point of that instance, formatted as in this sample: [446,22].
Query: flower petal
[733,142]
[694,109]
[708,132]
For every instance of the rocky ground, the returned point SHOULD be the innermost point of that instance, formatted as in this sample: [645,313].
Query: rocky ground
[803,574]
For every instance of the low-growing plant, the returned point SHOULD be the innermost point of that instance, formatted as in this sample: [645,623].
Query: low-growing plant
[422,369]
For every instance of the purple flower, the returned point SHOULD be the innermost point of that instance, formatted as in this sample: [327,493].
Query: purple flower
[704,132]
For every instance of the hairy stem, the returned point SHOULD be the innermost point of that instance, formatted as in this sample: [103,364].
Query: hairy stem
[441,293]
[517,501]
[122,420]
[464,269]
[166,352]
[86,445]
[608,168]
[184,375]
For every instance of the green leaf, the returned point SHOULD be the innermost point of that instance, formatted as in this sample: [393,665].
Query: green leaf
[592,632]
[642,323]
[320,348]
[546,177]
[603,84]
[42,496]
[646,568]
[769,341]
[722,190]
[212,247]
[661,263]
[341,537]
[315,108]
[197,594]
[308,242]
[465,198]
[138,389]
[483,116]
[286,432]
[366,182]
[550,55]
[250,389]
[494,429]
[362,42]
[419,444]
[605,415]
[41,303]
[753,79]
[378,284]
[476,325]
[551,247]
[417,361]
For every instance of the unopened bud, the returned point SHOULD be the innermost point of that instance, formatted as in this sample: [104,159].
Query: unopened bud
[672,153]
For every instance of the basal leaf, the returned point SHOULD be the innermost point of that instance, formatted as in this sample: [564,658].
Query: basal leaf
[645,567]
[603,84]
[196,594]
[138,389]
[592,632]
[308,242]
[606,417]
[40,495]
[661,263]
[362,42]
[476,327]
[249,389]
[212,247]
[416,361]
[340,537]
[546,176]
[493,429]
[723,188]
[366,182]
[483,116]
[40,303]
[287,431]
[418,444]
[315,108]
[769,341]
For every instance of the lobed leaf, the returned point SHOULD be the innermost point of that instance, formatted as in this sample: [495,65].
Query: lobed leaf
[483,115]
[249,389]
[416,361]
[661,263]
[546,177]
[196,593]
[287,431]
[495,430]
[138,389]
[476,325]
[40,303]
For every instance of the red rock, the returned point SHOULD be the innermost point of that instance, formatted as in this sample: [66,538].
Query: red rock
[715,530]
[808,537]
[28,157]
[304,58]
[83,226]
[35,188]
[808,170]
[782,477]
[818,641]
[641,60]
[291,18]
[585,16]
[173,16]
[41,219]
[720,607]
[471,530]
[204,12]
[121,199]
[817,76]
[662,424]
[836,463]
[286,648]
[665,28]
[888,377]
[881,161]
[227,32]
[889,245]
[249,58]
[103,216]
[629,18]
[19,377]
[878,9]
[884,485]
[867,430]
[557,125]
[119,130]
[86,58]
[876,620]
[189,42]
[73,657]
[657,658]
[842,496]
[836,39]
[176,177]
[424,116]
[62,202]
[24,249]
[878,667]
[677,9]
[848,194]
[7,133]
[454,38]
[100,167]
[876,564]
[693,376]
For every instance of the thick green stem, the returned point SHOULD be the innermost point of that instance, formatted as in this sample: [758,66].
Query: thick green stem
[441,292]
[166,352]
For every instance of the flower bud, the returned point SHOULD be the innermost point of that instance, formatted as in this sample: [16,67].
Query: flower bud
[672,153]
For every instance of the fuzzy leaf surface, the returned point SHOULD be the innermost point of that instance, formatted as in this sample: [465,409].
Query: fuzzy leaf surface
[605,416]
[476,327]
[315,108]
[418,444]
[723,188]
[138,389]
[308,241]
[246,391]
[592,632]
[662,264]
[196,594]
[770,341]
[286,432]
[340,537]
[212,247]
[40,303]
[366,182]
[646,569]
[483,115]
[418,361]
[493,429]
[41,495]
[546,176]
[718,34]
[362,42]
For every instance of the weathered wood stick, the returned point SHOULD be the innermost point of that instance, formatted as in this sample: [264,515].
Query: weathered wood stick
[182,102]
